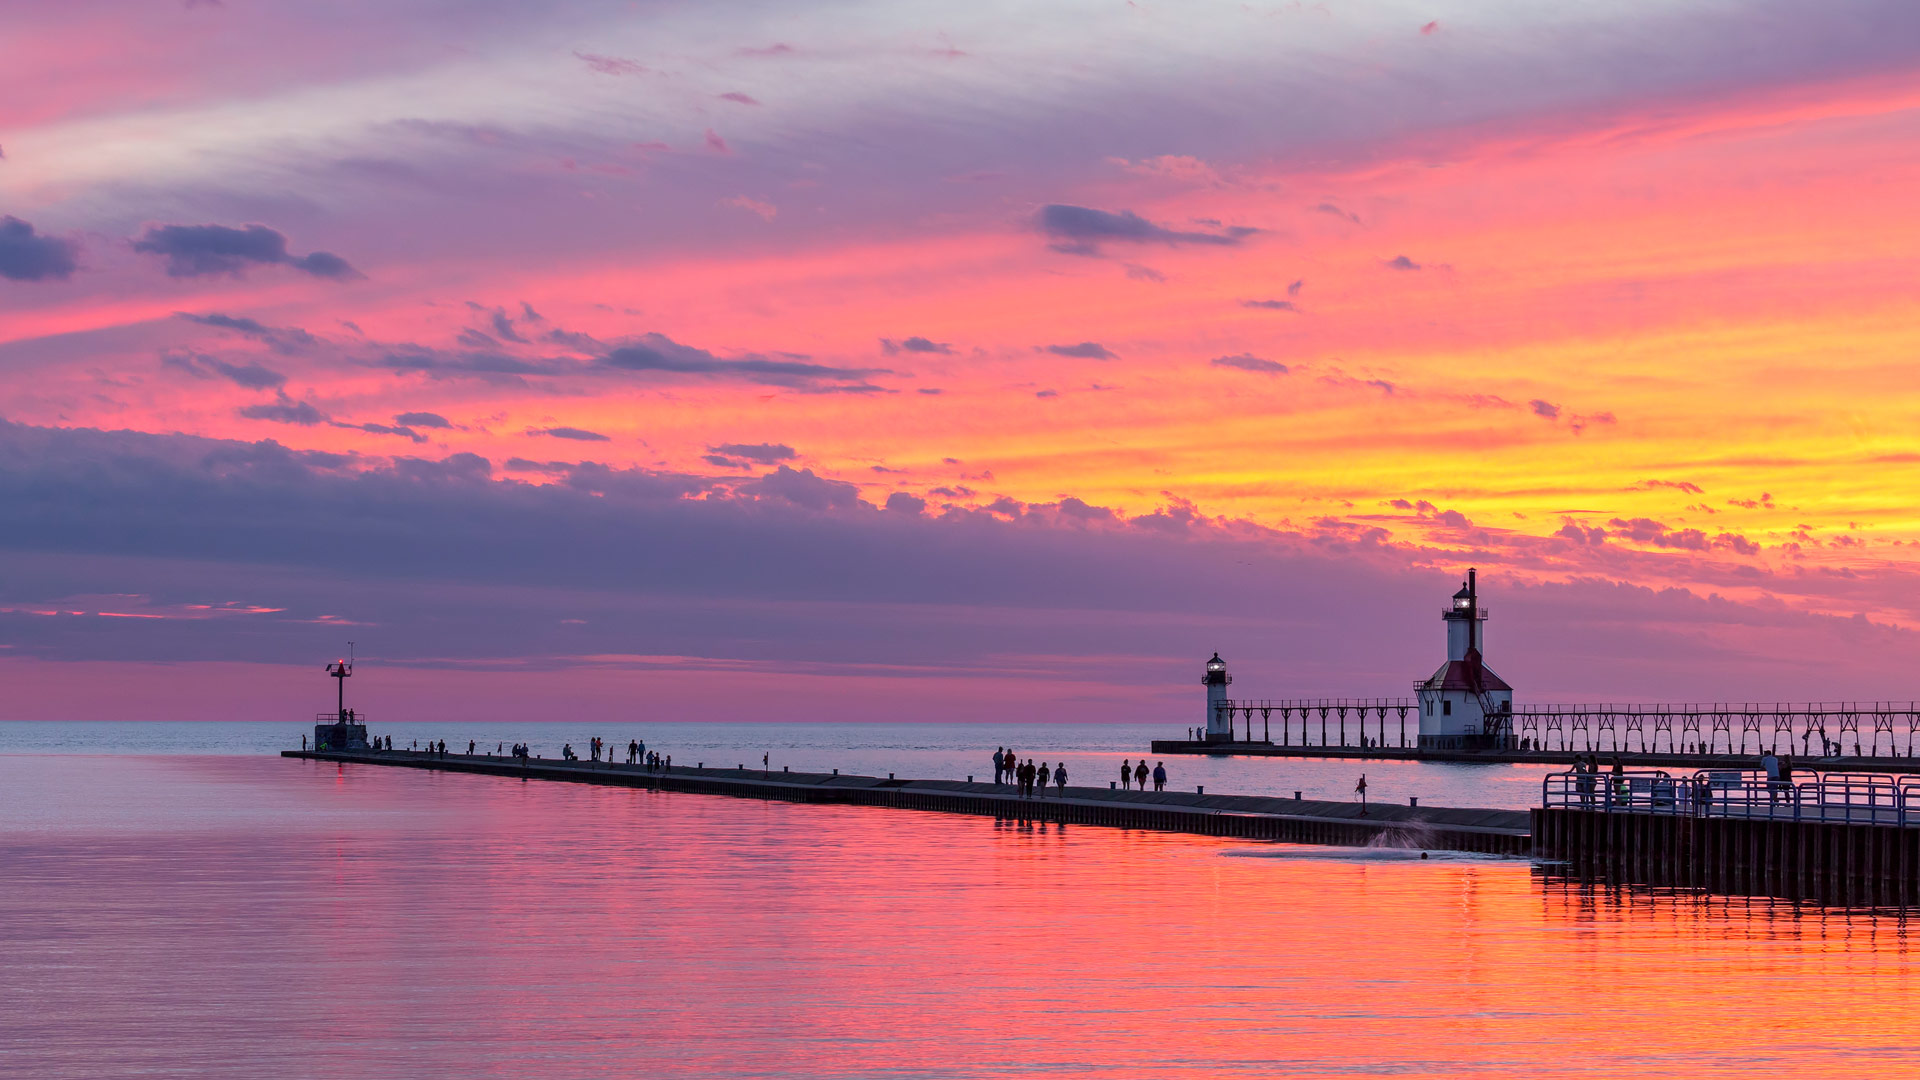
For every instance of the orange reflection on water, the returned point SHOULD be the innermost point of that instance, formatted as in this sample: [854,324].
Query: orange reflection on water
[465,926]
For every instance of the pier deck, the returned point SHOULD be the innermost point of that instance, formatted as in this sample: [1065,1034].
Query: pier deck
[1493,832]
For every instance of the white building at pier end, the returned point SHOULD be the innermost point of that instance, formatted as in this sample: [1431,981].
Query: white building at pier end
[1464,705]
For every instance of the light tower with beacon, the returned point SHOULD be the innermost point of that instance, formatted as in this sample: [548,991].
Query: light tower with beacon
[341,729]
[1219,718]
[1464,705]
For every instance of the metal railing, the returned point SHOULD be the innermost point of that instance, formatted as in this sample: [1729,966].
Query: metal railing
[1850,798]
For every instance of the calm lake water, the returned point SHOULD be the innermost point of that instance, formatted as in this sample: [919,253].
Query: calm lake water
[250,916]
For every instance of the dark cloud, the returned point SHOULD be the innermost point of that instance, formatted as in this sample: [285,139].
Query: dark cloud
[1678,485]
[610,65]
[29,256]
[285,412]
[1046,393]
[479,363]
[283,339]
[1649,531]
[1543,408]
[803,489]
[384,429]
[1270,305]
[503,326]
[574,433]
[1335,211]
[201,250]
[915,344]
[1085,350]
[740,454]
[1401,262]
[1293,290]
[422,419]
[1581,534]
[902,503]
[1145,273]
[1250,362]
[1080,230]
[251,375]
[659,353]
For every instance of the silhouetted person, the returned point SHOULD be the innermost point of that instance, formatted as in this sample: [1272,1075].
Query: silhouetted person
[1126,775]
[303,744]
[1140,775]
[1360,792]
[470,745]
[999,763]
[1060,778]
[1160,777]
[1046,777]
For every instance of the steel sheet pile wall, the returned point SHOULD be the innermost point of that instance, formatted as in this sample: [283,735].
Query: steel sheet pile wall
[1849,864]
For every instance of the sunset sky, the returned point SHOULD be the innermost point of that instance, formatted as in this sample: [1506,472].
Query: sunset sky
[993,361]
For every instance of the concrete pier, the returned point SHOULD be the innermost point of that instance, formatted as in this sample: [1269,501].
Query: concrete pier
[1303,821]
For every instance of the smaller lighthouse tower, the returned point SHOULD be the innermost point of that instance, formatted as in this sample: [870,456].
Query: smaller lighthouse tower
[1464,705]
[1219,720]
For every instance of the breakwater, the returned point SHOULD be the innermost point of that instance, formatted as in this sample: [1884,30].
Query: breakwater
[1305,821]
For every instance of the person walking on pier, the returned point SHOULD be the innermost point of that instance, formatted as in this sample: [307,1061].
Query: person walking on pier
[1140,775]
[1046,777]
[1126,775]
[1360,792]
[1160,776]
[1060,778]
[470,745]
[1771,766]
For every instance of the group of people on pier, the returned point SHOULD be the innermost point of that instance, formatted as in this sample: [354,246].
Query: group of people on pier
[1137,775]
[1033,779]
[1008,768]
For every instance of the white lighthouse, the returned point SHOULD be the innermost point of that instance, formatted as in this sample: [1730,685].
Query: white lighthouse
[1464,705]
[1219,718]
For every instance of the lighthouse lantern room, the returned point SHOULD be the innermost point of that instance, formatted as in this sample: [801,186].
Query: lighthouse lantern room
[1464,705]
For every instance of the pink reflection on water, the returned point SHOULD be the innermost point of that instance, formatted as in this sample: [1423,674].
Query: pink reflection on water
[253,917]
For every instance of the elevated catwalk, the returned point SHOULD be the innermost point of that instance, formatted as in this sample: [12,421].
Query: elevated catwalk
[1853,736]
